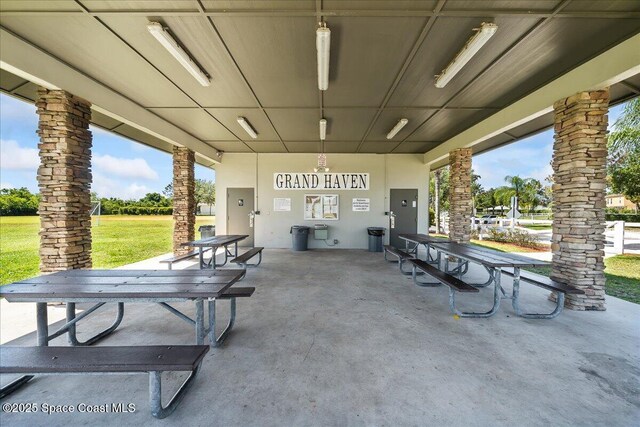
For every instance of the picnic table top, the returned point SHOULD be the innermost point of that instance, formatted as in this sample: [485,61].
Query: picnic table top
[216,240]
[422,238]
[486,256]
[119,285]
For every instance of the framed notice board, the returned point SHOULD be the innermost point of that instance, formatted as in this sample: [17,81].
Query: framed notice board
[322,207]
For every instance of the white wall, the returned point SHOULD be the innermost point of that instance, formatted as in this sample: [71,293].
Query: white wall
[386,171]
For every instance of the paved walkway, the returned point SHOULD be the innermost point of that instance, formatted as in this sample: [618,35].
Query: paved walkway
[338,337]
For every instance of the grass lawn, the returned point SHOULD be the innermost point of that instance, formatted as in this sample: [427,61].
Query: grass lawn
[535,226]
[507,247]
[117,240]
[622,272]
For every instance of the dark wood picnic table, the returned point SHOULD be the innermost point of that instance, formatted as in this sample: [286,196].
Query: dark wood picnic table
[493,261]
[120,286]
[214,243]
[424,240]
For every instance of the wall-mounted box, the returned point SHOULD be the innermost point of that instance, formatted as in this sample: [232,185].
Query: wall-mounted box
[321,232]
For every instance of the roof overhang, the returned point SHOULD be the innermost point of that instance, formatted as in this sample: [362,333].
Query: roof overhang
[31,63]
[613,66]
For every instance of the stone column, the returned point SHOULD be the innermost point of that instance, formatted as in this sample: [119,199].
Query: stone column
[460,202]
[437,200]
[579,168]
[64,179]
[184,205]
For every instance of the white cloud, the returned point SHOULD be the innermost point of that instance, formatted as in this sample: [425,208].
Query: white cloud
[15,157]
[124,168]
[4,185]
[107,187]
[135,191]
[542,173]
[138,147]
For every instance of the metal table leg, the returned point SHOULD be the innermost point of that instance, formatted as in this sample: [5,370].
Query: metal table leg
[515,301]
[43,340]
[496,299]
[200,332]
[71,329]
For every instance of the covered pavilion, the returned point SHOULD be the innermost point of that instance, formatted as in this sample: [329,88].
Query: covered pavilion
[257,91]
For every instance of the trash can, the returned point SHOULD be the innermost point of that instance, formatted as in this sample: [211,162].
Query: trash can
[207,231]
[375,238]
[299,237]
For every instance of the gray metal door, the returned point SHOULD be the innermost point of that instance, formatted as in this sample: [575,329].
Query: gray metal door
[240,213]
[403,217]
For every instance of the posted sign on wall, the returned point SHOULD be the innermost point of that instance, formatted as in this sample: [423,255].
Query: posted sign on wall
[320,181]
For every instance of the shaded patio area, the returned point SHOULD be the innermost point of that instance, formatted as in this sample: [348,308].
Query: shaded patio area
[341,338]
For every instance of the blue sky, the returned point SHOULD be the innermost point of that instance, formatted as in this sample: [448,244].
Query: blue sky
[127,169]
[121,167]
[528,158]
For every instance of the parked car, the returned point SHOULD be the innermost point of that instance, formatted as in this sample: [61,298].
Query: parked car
[486,219]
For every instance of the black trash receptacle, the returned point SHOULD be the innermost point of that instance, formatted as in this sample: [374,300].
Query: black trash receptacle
[375,238]
[299,237]
[207,231]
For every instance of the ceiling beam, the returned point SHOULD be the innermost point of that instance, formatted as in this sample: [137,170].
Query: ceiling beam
[529,33]
[32,63]
[201,11]
[405,65]
[144,58]
[616,64]
[631,87]
[470,13]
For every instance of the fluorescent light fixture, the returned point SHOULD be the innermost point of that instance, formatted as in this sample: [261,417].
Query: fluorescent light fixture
[323,44]
[164,37]
[482,35]
[247,127]
[401,123]
[323,129]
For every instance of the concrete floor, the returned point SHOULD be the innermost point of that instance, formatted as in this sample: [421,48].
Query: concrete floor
[337,337]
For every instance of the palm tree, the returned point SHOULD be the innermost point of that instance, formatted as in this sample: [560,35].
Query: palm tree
[516,187]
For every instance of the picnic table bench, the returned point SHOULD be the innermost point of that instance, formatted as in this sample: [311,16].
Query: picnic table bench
[178,258]
[422,240]
[213,243]
[243,259]
[453,283]
[495,264]
[559,288]
[153,360]
[401,257]
[124,286]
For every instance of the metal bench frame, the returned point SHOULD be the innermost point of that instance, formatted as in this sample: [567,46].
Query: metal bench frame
[175,259]
[400,259]
[70,328]
[158,410]
[246,264]
[516,300]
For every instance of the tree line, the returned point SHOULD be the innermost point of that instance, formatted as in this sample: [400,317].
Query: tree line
[623,175]
[20,201]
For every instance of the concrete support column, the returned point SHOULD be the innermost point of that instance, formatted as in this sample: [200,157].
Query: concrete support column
[184,204]
[579,168]
[64,179]
[460,202]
